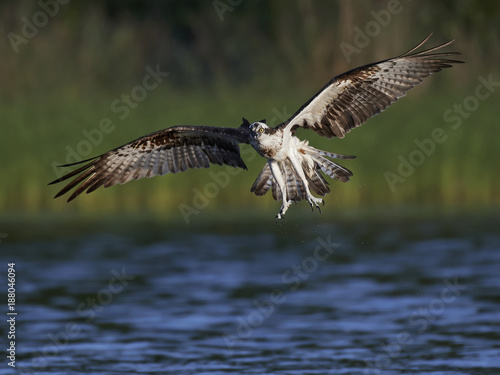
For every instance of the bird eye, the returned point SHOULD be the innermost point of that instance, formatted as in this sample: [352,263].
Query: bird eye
[261,130]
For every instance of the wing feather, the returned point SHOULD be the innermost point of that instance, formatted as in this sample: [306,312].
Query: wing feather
[177,160]
[350,99]
[171,150]
[170,161]
[202,157]
[263,181]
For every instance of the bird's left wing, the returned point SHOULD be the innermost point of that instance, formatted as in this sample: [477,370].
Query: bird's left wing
[171,150]
[350,99]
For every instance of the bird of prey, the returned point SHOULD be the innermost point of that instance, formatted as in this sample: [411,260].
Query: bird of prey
[293,168]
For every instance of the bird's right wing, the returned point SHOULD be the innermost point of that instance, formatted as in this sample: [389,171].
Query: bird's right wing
[350,99]
[171,150]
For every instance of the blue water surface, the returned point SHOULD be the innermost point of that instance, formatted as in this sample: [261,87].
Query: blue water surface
[368,296]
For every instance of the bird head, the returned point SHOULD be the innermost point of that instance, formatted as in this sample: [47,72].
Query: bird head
[258,128]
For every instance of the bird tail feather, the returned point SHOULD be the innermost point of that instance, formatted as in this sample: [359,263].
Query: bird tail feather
[330,168]
[315,180]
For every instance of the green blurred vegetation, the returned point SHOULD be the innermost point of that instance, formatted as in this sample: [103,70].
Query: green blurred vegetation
[227,59]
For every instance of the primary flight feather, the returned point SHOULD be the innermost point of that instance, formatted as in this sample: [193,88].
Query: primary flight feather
[293,168]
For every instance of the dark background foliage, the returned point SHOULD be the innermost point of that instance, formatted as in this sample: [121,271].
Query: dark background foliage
[228,59]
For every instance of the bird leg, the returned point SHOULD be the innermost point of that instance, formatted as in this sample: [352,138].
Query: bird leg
[312,200]
[278,177]
[284,208]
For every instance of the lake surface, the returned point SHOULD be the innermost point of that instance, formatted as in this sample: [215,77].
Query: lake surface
[400,296]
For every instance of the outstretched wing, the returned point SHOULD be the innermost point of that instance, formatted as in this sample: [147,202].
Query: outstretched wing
[171,150]
[350,99]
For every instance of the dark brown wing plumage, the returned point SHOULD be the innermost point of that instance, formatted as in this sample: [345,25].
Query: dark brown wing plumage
[350,99]
[171,150]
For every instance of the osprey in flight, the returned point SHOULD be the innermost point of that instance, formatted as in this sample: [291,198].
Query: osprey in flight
[293,168]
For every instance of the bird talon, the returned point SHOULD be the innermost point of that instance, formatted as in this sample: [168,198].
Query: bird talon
[315,203]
